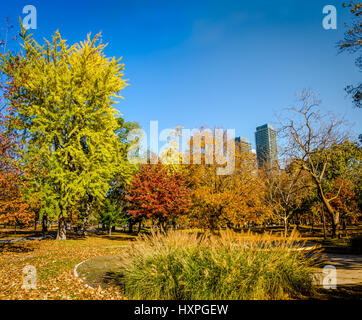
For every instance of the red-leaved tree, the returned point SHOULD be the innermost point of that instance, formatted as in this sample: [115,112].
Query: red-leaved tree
[157,194]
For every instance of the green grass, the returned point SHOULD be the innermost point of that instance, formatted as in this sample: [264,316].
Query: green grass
[99,271]
[181,265]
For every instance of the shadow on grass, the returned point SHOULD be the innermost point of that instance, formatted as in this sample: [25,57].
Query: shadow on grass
[15,248]
[102,271]
[112,278]
[116,236]
[19,234]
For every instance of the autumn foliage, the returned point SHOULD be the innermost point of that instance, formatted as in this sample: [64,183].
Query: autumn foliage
[14,209]
[158,194]
[63,142]
[229,200]
[346,202]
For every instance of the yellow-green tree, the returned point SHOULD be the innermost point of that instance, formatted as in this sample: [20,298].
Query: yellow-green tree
[64,109]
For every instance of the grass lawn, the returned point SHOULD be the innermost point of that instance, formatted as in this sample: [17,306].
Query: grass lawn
[101,271]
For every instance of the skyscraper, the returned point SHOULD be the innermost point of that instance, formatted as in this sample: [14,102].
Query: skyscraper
[266,145]
[243,144]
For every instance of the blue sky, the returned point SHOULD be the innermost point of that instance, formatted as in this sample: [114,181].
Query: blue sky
[210,62]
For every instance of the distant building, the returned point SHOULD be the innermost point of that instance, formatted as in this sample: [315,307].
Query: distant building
[266,145]
[243,144]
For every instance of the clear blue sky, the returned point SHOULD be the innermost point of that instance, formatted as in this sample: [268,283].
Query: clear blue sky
[210,62]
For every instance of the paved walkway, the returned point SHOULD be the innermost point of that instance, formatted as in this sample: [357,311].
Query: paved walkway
[348,269]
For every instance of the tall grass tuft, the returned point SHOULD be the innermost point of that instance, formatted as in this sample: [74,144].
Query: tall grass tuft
[181,265]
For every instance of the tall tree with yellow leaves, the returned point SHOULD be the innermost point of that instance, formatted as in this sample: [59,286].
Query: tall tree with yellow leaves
[64,110]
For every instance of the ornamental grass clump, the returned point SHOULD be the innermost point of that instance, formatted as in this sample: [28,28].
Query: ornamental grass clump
[181,265]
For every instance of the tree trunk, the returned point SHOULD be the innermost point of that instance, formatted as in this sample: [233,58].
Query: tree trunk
[324,223]
[84,226]
[285,226]
[344,225]
[36,221]
[44,224]
[86,217]
[298,223]
[110,230]
[61,234]
[334,215]
[130,226]
[335,225]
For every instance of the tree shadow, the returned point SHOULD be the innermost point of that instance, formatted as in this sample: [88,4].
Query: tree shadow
[75,236]
[344,292]
[129,237]
[20,234]
[15,248]
[112,278]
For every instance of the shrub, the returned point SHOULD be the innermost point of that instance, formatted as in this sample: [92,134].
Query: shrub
[180,265]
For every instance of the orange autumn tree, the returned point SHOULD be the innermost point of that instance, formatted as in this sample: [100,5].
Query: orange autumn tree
[346,202]
[158,194]
[225,200]
[14,209]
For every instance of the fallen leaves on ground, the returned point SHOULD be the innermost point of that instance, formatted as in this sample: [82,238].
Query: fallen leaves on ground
[54,262]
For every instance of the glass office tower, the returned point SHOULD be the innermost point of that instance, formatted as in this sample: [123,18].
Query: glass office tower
[266,145]
[243,144]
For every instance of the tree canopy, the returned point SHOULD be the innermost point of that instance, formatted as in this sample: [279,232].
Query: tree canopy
[64,108]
